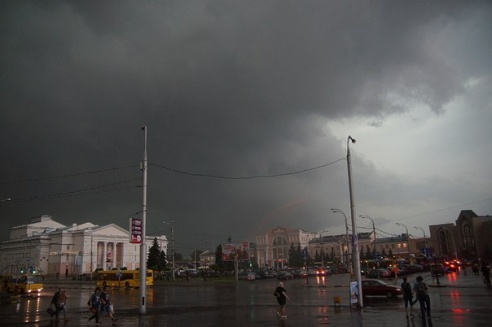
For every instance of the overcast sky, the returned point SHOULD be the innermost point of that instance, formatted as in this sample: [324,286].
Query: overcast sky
[241,89]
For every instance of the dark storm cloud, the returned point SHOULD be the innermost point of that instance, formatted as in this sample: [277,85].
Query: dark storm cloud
[227,88]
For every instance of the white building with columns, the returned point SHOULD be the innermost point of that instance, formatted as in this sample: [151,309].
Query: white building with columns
[55,250]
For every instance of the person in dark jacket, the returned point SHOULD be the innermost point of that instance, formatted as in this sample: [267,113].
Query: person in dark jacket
[422,296]
[55,301]
[106,305]
[282,298]
[407,289]
[94,304]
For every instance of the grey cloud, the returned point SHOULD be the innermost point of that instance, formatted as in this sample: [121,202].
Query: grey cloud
[231,88]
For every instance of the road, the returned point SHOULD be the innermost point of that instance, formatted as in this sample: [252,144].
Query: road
[459,300]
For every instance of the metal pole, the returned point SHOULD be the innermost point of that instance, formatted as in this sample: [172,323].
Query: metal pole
[349,267]
[174,248]
[373,225]
[143,245]
[355,243]
[425,241]
[454,245]
[172,242]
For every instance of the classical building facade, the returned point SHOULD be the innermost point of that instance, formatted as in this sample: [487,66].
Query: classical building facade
[53,249]
[272,249]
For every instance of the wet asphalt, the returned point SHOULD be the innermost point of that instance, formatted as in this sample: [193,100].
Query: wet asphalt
[457,300]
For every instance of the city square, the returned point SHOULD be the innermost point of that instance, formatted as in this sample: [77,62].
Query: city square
[459,300]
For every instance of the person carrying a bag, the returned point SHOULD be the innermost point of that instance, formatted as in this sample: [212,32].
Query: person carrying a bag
[94,304]
[107,307]
[55,302]
[423,297]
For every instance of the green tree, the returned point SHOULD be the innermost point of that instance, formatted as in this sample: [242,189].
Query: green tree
[218,258]
[292,255]
[299,256]
[157,258]
[309,260]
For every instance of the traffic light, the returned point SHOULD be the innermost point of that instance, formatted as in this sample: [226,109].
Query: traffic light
[22,270]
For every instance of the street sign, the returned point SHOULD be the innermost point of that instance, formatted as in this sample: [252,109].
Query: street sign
[135,230]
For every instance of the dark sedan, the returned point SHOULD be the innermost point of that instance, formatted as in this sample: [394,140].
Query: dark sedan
[375,287]
[285,275]
[378,273]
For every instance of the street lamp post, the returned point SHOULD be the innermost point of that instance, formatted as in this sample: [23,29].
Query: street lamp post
[425,241]
[406,229]
[143,245]
[322,250]
[334,210]
[373,226]
[452,239]
[355,242]
[172,241]
[423,231]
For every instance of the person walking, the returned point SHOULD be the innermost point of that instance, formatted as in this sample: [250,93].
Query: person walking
[407,297]
[423,297]
[486,273]
[394,272]
[62,301]
[282,297]
[94,304]
[107,306]
[55,301]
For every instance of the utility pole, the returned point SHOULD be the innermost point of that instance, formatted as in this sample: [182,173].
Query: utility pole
[355,241]
[143,245]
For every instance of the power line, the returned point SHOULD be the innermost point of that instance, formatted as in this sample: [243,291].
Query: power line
[447,208]
[244,177]
[97,189]
[30,180]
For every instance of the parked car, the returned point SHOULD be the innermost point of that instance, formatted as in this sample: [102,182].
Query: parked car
[376,287]
[437,269]
[264,274]
[285,275]
[247,276]
[299,273]
[451,265]
[378,273]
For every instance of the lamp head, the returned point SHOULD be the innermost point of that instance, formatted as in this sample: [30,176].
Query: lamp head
[352,139]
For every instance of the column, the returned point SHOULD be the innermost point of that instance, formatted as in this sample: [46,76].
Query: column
[115,255]
[104,256]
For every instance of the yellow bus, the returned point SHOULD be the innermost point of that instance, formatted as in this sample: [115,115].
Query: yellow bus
[126,278]
[26,283]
